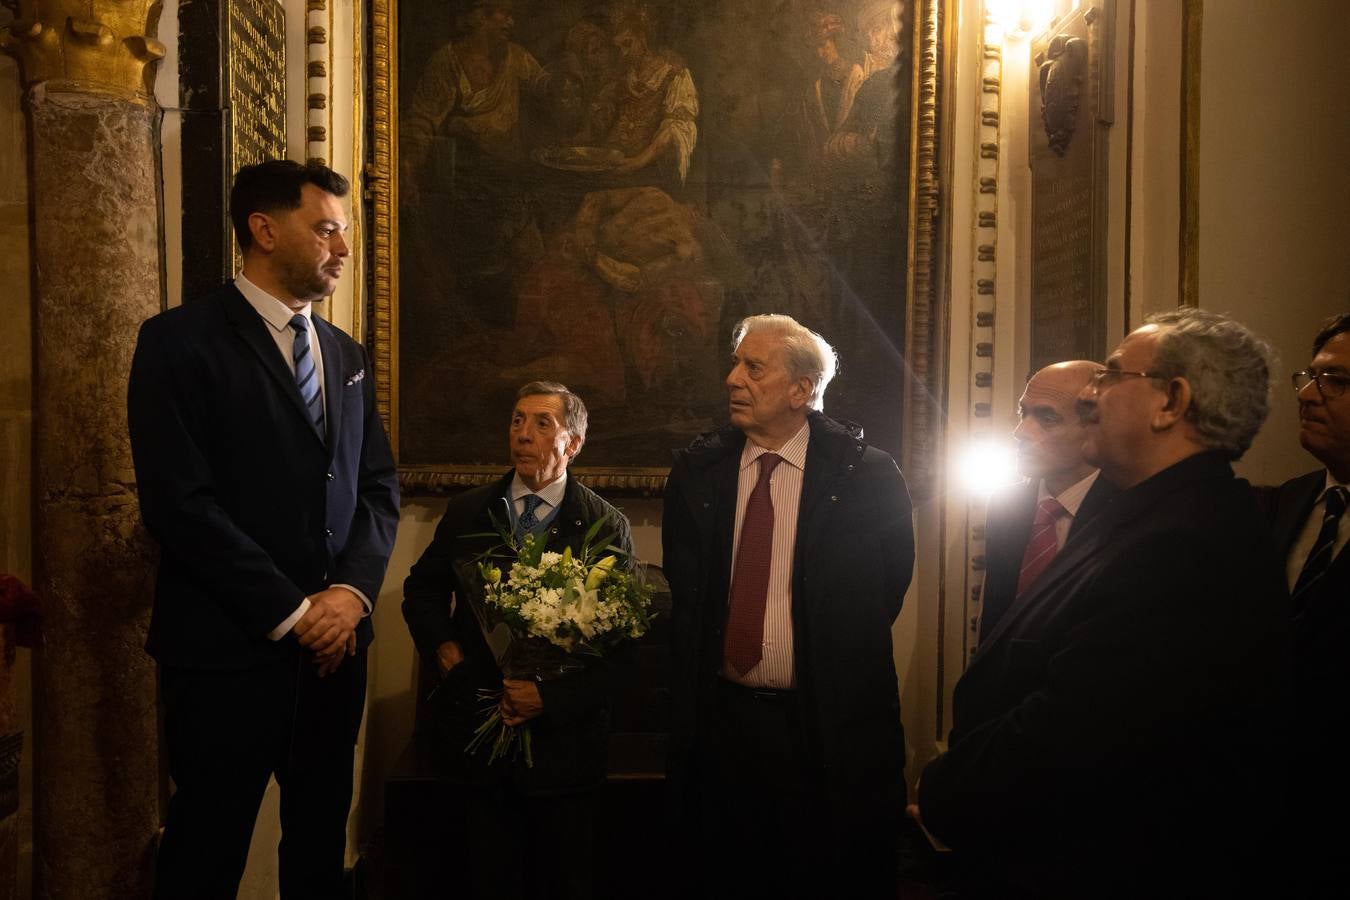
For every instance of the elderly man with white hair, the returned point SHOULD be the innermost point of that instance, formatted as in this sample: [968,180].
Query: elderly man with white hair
[788,547]
[1122,732]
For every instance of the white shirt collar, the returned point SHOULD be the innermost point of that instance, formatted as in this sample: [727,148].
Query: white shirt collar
[552,493]
[792,452]
[1071,497]
[1331,482]
[272,310]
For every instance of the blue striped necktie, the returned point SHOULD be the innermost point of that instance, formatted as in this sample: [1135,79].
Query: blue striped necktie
[529,519]
[306,377]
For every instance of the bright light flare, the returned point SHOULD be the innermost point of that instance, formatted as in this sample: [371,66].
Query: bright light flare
[989,467]
[1020,17]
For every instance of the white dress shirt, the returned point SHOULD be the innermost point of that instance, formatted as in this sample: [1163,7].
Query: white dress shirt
[1298,553]
[1071,498]
[777,667]
[278,316]
[551,495]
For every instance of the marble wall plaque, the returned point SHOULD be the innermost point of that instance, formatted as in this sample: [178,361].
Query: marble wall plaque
[1070,117]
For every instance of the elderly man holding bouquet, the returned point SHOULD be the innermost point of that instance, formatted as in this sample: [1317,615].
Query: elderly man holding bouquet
[525,556]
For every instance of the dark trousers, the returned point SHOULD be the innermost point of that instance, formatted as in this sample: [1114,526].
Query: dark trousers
[540,848]
[227,732]
[770,826]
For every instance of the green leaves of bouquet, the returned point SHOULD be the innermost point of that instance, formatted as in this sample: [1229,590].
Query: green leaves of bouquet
[564,603]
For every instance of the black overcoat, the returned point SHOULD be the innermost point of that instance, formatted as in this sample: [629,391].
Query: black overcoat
[853,561]
[1122,731]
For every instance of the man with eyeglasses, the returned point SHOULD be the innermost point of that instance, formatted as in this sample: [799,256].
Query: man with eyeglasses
[1121,734]
[1311,529]
[1026,527]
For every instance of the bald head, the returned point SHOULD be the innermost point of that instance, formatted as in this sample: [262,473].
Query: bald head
[1050,436]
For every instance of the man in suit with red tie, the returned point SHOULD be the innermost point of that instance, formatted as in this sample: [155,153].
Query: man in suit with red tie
[265,476]
[1308,515]
[1122,732]
[1027,526]
[788,545]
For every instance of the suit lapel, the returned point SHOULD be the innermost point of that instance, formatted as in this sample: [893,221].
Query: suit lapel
[818,476]
[726,474]
[1295,503]
[254,332]
[1066,561]
[333,381]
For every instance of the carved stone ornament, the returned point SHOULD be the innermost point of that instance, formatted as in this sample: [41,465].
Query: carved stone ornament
[99,44]
[1062,74]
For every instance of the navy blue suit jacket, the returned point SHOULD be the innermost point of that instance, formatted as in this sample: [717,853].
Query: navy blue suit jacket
[252,509]
[1321,678]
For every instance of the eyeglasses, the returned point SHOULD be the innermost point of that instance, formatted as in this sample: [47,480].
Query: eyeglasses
[1329,384]
[1105,377]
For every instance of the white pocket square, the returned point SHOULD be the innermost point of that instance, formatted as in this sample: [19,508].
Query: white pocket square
[359,376]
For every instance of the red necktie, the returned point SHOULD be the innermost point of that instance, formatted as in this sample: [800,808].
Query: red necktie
[1044,543]
[750,581]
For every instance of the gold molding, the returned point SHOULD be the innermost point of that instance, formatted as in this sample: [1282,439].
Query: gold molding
[1188,276]
[382,185]
[925,395]
[105,45]
[358,259]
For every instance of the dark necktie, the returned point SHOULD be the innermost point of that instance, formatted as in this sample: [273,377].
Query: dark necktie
[1044,543]
[306,376]
[1319,558]
[750,580]
[528,519]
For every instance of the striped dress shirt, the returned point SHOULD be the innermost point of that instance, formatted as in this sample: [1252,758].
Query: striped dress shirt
[776,669]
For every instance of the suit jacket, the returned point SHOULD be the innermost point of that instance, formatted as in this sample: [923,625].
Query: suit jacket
[569,739]
[852,565]
[1122,730]
[251,508]
[1321,676]
[1007,531]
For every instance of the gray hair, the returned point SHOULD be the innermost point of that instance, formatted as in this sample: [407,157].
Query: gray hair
[808,354]
[574,411]
[1228,367]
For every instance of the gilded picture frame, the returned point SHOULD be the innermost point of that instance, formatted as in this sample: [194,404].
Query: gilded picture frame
[547,247]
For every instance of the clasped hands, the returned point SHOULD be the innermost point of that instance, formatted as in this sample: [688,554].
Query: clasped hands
[328,627]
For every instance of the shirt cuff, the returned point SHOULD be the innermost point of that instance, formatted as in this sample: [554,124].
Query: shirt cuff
[365,601]
[285,627]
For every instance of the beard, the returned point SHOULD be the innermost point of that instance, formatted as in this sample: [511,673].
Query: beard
[306,282]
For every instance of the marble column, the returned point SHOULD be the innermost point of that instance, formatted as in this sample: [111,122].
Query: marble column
[93,141]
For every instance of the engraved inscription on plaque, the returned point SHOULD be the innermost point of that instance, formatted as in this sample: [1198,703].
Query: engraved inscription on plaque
[232,89]
[256,89]
[1070,115]
[1062,282]
[256,57]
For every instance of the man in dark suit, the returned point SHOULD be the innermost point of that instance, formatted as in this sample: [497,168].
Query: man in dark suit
[1120,734]
[529,828]
[788,546]
[1027,526]
[265,475]
[1311,528]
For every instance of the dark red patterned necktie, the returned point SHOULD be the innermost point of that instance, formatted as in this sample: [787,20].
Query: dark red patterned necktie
[750,581]
[1044,543]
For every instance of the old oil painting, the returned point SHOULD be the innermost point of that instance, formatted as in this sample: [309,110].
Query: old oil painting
[595,193]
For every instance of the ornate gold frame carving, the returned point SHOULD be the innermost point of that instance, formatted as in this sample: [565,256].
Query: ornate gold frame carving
[924,390]
[926,318]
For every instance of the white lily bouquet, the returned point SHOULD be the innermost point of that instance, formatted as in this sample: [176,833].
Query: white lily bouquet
[545,612]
